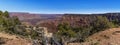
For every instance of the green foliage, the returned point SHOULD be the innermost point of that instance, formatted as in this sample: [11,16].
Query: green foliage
[1,12]
[16,20]
[11,25]
[116,22]
[100,23]
[95,43]
[6,14]
[7,23]
[65,30]
[34,34]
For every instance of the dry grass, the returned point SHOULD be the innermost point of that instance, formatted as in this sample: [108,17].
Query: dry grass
[14,40]
[107,37]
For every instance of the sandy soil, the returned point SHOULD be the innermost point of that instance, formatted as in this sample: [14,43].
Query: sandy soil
[14,40]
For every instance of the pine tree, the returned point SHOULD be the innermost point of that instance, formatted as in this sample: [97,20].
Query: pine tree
[6,14]
[1,12]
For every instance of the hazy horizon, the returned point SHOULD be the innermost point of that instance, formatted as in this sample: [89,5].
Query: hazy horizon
[64,13]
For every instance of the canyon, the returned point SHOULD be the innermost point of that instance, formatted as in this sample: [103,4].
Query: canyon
[51,21]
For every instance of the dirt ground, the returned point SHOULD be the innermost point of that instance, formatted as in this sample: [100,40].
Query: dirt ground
[13,40]
[107,37]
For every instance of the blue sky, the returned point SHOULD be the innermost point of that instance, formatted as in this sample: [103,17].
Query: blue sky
[60,6]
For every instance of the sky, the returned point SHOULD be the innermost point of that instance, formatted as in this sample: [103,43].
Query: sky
[60,6]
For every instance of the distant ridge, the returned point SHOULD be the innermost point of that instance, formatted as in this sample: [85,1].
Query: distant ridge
[34,18]
[52,20]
